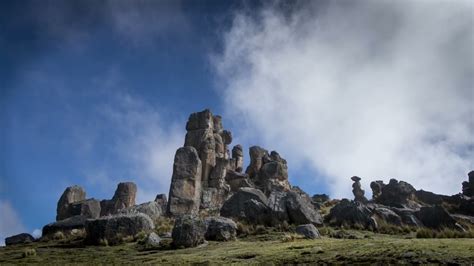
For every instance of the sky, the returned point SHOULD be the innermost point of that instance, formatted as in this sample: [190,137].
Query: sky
[94,93]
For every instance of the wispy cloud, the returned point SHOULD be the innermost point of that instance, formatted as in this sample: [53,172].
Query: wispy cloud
[379,89]
[10,223]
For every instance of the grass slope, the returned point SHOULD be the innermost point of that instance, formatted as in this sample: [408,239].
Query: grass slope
[266,248]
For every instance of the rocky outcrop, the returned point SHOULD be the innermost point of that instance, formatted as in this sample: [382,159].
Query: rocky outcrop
[357,190]
[188,231]
[89,208]
[353,214]
[376,187]
[388,215]
[235,206]
[238,158]
[309,231]
[397,194]
[22,238]
[468,186]
[300,209]
[70,195]
[185,189]
[436,217]
[124,197]
[220,229]
[269,172]
[65,226]
[116,228]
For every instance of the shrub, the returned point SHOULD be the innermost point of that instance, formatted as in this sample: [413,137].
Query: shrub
[163,225]
[29,252]
[104,242]
[444,233]
[59,235]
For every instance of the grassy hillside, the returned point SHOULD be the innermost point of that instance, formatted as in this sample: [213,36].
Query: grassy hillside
[270,247]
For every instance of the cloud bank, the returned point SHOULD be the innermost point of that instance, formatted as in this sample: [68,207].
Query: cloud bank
[10,223]
[378,89]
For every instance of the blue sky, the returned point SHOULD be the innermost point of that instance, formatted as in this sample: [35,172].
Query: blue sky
[98,92]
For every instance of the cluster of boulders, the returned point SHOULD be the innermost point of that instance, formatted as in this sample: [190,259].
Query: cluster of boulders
[399,203]
[210,194]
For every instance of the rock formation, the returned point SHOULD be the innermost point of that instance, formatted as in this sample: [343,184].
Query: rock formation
[267,172]
[188,231]
[357,190]
[210,140]
[124,197]
[70,195]
[397,194]
[115,228]
[185,189]
[22,238]
[468,186]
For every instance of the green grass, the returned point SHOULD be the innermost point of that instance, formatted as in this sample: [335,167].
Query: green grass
[270,247]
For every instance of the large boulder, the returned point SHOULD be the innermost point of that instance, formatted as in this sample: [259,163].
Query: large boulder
[185,189]
[256,212]
[300,209]
[468,186]
[115,228]
[124,197]
[188,231]
[277,204]
[220,229]
[65,226]
[309,231]
[429,197]
[408,217]
[70,195]
[235,207]
[152,208]
[397,194]
[237,180]
[89,208]
[22,238]
[376,187]
[436,217]
[388,216]
[350,213]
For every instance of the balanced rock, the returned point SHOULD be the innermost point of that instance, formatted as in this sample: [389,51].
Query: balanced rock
[220,229]
[309,231]
[115,228]
[70,195]
[22,238]
[185,189]
[124,197]
[357,190]
[188,231]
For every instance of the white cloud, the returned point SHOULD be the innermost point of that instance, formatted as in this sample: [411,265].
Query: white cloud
[37,233]
[10,222]
[379,89]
